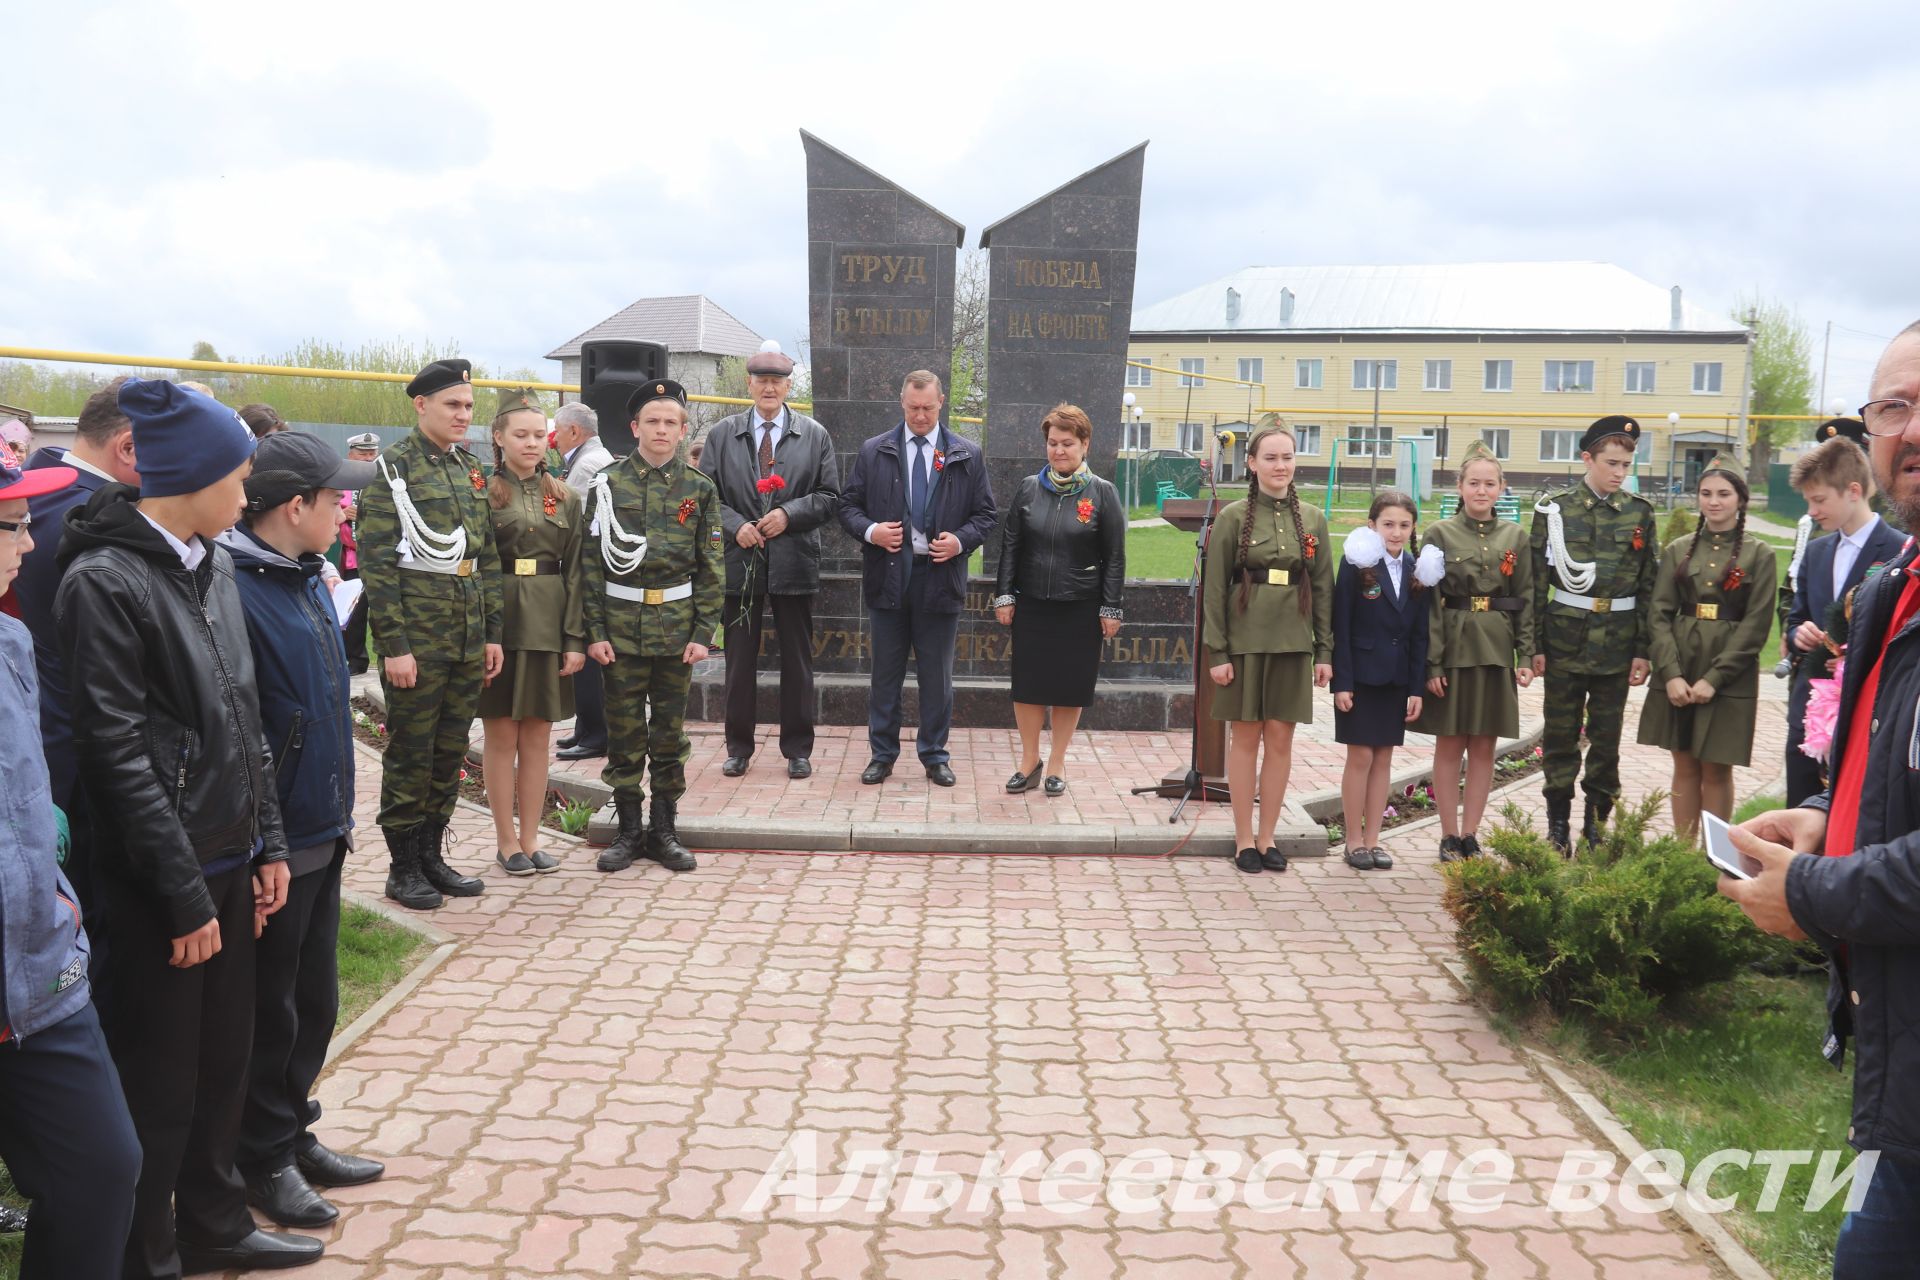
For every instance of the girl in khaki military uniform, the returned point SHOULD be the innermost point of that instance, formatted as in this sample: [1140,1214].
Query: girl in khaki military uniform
[1712,609]
[538,527]
[1268,634]
[1479,643]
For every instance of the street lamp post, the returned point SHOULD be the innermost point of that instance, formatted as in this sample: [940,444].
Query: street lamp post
[1133,484]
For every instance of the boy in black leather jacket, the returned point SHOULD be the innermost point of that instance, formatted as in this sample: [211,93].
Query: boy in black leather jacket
[190,859]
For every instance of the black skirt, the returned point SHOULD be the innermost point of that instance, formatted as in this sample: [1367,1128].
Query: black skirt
[1056,651]
[1378,718]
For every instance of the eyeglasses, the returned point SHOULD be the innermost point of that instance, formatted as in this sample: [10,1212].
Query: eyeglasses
[18,528]
[1886,417]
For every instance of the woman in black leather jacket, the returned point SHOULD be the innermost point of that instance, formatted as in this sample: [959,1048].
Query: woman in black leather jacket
[1063,560]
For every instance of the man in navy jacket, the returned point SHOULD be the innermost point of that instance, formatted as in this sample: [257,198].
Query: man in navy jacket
[300,666]
[920,503]
[1844,869]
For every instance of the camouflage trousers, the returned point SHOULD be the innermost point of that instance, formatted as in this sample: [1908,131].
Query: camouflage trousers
[427,730]
[1601,703]
[646,725]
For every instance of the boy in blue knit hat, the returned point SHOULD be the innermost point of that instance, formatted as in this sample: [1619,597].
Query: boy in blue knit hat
[189,857]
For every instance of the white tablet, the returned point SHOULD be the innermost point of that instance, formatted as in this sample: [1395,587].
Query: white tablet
[1720,850]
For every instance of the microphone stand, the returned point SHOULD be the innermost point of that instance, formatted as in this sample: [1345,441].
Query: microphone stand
[1194,784]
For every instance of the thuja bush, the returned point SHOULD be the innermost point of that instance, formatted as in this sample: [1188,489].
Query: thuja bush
[1614,932]
[1680,523]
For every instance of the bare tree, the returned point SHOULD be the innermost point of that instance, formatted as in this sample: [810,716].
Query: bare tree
[968,380]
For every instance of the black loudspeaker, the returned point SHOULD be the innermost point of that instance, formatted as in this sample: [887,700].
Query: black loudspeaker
[609,371]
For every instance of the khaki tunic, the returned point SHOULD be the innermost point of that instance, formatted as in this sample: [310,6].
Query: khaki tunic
[1272,622]
[1460,638]
[1724,651]
[545,613]
[1617,534]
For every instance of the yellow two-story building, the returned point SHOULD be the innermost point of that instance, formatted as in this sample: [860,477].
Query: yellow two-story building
[1366,362]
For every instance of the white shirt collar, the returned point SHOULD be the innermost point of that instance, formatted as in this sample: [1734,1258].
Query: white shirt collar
[81,464]
[191,554]
[1858,538]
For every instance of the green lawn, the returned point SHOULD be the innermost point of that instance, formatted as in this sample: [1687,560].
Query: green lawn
[375,953]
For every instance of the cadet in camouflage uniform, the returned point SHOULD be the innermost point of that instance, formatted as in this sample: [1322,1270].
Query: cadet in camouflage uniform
[654,571]
[433,599]
[1595,547]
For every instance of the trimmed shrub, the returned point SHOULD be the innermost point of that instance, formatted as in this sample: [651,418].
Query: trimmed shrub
[1680,523]
[1614,932]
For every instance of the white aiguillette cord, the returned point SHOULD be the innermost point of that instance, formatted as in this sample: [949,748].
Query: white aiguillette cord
[1576,575]
[415,536]
[622,551]
[1801,532]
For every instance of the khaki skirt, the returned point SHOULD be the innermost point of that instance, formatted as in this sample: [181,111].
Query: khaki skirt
[1721,732]
[529,687]
[1480,702]
[1267,686]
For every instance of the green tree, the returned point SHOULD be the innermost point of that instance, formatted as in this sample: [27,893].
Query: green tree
[967,379]
[1782,377]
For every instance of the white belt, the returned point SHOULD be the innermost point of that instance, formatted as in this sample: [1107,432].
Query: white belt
[454,568]
[1619,604]
[650,595]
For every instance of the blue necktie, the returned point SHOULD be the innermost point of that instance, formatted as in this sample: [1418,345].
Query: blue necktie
[918,498]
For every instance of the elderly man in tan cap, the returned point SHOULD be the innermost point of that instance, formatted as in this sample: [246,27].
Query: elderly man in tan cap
[779,481]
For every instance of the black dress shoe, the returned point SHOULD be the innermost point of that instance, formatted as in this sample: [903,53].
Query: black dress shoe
[1360,858]
[580,751]
[1248,860]
[733,766]
[1026,781]
[289,1199]
[1273,859]
[324,1168]
[799,767]
[940,775]
[1451,849]
[1056,785]
[1469,847]
[876,772]
[255,1251]
[1382,860]
[566,742]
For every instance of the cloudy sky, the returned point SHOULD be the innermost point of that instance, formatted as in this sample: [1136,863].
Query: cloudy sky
[504,175]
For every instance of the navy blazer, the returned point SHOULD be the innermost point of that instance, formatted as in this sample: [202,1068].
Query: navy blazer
[1381,641]
[959,501]
[36,586]
[1815,593]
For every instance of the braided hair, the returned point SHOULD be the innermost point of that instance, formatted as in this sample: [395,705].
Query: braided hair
[500,488]
[1271,428]
[1739,529]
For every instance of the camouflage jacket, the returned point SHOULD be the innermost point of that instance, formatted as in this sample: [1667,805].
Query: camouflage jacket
[435,616]
[677,509]
[1617,534]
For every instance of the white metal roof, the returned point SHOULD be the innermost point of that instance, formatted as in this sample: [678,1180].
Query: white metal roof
[689,323]
[1473,297]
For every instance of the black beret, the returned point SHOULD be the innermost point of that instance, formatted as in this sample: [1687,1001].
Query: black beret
[440,375]
[658,389]
[1852,428]
[1614,424]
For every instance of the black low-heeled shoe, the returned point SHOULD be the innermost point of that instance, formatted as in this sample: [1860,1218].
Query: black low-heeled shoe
[1056,785]
[1360,858]
[1382,860]
[1248,860]
[1451,849]
[1469,847]
[1273,859]
[1023,781]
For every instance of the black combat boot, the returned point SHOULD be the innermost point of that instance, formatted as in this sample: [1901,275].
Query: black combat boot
[619,855]
[663,843]
[1560,824]
[1598,810]
[405,884]
[430,836]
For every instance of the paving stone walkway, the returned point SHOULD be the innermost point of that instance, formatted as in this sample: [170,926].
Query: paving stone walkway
[597,1080]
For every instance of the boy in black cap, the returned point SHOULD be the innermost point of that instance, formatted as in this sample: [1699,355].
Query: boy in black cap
[432,580]
[293,511]
[1595,547]
[654,569]
[189,855]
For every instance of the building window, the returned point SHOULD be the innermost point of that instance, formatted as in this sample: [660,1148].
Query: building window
[1136,436]
[1195,364]
[1188,436]
[1363,371]
[1498,377]
[1439,436]
[1253,369]
[1500,440]
[1306,438]
[1138,377]
[1306,374]
[1706,378]
[1368,441]
[1643,452]
[1439,375]
[1640,377]
[1568,375]
[1559,446]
